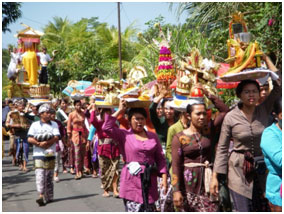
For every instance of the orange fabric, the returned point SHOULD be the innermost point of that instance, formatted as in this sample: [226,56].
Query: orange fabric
[75,122]
[124,123]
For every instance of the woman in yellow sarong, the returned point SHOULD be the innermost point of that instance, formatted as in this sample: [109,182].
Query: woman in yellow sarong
[30,64]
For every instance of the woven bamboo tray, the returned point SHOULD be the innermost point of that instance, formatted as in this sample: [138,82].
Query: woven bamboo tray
[138,104]
[103,104]
[246,74]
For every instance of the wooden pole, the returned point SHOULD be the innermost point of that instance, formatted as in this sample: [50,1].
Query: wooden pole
[119,40]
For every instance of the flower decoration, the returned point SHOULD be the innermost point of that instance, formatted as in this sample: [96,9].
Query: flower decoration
[184,140]
[187,175]
[271,22]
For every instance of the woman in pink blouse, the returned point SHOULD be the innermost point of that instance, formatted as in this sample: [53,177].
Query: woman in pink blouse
[144,160]
[77,132]
[108,154]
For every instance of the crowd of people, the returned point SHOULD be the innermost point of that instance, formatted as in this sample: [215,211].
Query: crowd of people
[172,161]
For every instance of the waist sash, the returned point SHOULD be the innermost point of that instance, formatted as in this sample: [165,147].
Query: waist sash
[207,173]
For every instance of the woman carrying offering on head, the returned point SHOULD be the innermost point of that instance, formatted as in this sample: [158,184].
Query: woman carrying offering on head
[144,160]
[245,124]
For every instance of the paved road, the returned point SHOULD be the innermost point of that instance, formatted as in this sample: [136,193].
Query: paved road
[19,192]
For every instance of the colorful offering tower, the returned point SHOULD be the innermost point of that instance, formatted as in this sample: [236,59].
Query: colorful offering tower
[165,71]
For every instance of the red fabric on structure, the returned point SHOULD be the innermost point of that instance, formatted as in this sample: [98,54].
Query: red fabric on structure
[221,84]
[35,40]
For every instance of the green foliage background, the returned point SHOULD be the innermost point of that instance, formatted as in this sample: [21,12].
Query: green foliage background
[88,48]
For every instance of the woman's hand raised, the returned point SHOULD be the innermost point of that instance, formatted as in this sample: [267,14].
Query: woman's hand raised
[122,105]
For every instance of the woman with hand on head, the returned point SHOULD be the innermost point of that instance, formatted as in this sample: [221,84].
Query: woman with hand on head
[108,153]
[144,160]
[244,124]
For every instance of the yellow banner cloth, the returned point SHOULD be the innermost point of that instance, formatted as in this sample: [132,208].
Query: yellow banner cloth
[31,66]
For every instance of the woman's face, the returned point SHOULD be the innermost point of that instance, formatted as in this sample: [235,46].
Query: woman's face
[78,106]
[198,116]
[250,95]
[34,109]
[160,111]
[52,116]
[63,105]
[21,107]
[169,112]
[137,122]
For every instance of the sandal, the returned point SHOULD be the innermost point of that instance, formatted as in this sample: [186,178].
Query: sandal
[72,171]
[94,176]
[77,177]
[40,202]
[106,195]
[87,171]
[116,195]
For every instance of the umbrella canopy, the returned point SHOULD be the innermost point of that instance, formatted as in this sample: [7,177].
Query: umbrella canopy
[89,91]
[221,84]
[78,85]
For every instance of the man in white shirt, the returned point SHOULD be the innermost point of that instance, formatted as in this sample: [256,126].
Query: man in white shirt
[43,135]
[44,60]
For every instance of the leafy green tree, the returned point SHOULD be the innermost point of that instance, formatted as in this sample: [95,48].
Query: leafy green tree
[212,19]
[5,64]
[107,39]
[86,49]
[10,13]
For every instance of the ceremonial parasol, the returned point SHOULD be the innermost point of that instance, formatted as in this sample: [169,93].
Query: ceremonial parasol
[90,91]
[78,85]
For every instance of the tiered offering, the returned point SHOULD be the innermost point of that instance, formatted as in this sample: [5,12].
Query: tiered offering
[165,69]
[106,93]
[183,84]
[244,56]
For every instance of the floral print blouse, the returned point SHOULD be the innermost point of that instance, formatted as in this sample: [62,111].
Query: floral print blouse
[189,149]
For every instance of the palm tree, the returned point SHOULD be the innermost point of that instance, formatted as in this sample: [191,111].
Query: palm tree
[10,13]
[107,38]
[212,20]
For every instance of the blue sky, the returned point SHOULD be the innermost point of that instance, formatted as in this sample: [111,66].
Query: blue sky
[38,14]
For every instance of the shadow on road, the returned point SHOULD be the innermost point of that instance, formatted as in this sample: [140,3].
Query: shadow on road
[74,197]
[19,179]
[12,194]
[9,170]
